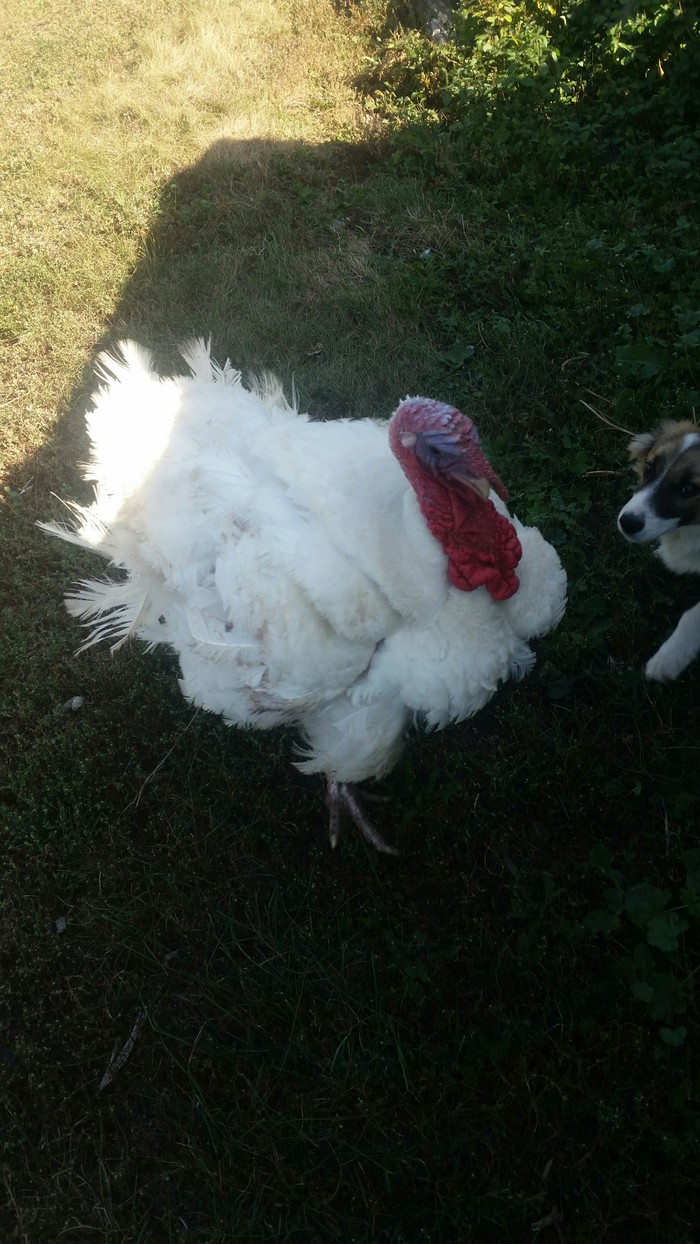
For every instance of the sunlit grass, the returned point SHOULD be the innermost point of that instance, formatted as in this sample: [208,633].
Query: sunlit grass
[102,105]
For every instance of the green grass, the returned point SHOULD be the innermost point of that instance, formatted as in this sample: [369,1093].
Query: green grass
[497,1029]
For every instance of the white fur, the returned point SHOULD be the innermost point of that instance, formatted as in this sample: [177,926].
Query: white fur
[679,650]
[679,549]
[690,439]
[289,566]
[640,506]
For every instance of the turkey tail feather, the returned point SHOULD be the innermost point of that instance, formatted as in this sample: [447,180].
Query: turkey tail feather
[112,610]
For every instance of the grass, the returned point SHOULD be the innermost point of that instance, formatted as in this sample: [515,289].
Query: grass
[491,1037]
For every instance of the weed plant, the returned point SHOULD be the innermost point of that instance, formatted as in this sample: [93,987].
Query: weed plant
[493,1036]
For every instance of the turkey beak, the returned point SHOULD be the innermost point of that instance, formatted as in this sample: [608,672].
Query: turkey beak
[478,483]
[482,486]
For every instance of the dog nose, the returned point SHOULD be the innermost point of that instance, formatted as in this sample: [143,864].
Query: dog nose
[631,524]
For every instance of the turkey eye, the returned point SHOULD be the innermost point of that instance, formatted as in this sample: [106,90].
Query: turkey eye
[689,489]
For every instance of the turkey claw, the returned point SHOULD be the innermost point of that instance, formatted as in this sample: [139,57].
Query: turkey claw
[341,798]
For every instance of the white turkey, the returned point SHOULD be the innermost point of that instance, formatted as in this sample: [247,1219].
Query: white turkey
[348,578]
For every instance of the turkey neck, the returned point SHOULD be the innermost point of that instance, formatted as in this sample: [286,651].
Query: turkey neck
[481,545]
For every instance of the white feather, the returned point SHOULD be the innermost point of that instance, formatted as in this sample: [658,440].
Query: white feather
[288,564]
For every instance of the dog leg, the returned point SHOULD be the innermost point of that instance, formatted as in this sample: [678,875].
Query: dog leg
[678,651]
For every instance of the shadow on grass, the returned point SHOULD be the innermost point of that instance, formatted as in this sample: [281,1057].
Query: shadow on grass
[335,1047]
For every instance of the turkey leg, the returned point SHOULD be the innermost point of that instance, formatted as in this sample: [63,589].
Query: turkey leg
[344,798]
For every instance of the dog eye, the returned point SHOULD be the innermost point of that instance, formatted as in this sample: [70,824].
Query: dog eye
[689,489]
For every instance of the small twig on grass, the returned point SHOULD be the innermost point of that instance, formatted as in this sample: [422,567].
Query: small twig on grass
[117,1060]
[149,778]
[604,419]
[553,1219]
[600,396]
[575,358]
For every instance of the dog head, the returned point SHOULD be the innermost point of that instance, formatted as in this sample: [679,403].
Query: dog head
[667,462]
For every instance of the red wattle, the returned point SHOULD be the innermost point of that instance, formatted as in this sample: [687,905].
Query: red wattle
[481,545]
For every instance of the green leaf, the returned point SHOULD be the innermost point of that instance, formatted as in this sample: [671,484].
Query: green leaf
[641,360]
[646,901]
[673,1036]
[664,930]
[600,920]
[642,990]
[458,353]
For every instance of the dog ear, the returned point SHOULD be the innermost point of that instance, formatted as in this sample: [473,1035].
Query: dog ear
[640,445]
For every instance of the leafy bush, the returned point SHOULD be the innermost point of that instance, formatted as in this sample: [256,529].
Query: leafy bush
[580,122]
[564,81]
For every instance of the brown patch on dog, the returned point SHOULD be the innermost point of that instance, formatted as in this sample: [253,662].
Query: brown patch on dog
[659,447]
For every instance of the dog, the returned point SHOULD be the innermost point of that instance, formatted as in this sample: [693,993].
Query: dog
[666,507]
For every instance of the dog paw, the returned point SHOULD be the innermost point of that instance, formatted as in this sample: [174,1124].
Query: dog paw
[663,666]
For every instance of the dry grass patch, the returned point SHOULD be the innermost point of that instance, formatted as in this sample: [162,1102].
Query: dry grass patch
[102,104]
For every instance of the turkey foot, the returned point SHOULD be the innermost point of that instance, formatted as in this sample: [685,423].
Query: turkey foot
[341,798]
